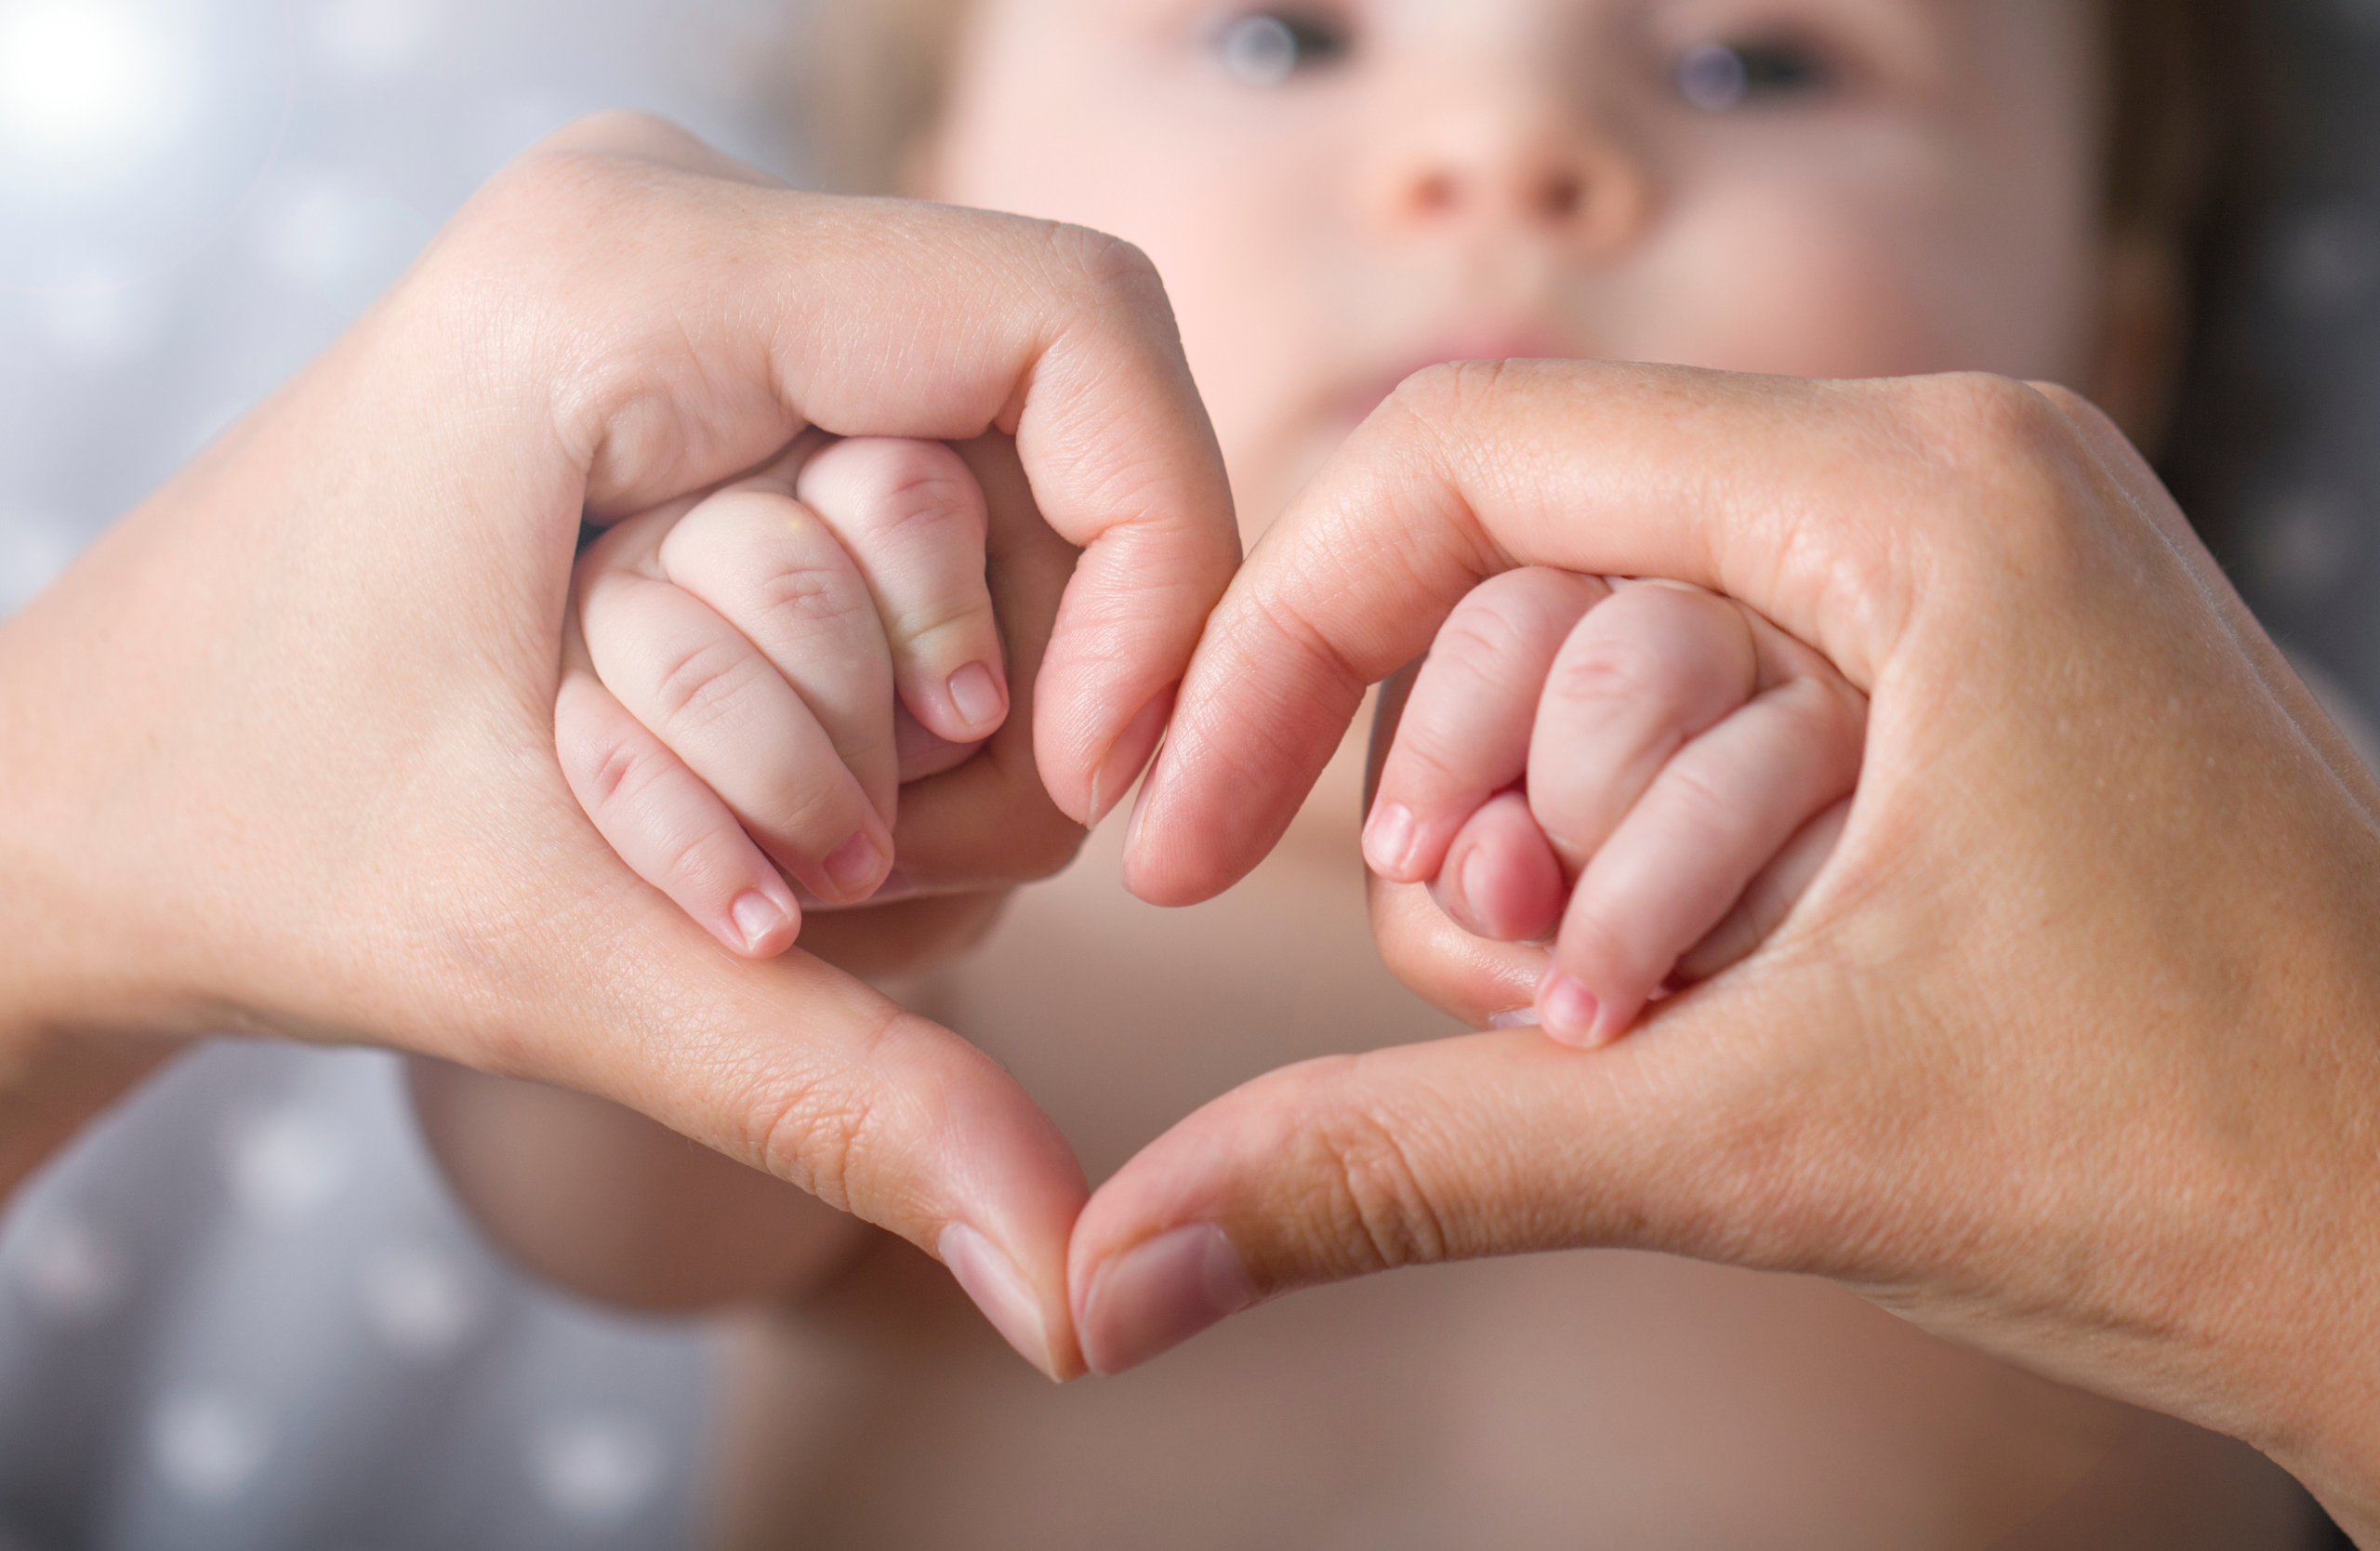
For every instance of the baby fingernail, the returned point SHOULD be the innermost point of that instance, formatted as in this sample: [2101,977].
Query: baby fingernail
[1157,1294]
[975,691]
[1388,840]
[756,916]
[854,866]
[1567,1009]
[1001,1291]
[1519,1017]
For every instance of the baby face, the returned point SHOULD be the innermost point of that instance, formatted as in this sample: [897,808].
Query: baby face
[1339,194]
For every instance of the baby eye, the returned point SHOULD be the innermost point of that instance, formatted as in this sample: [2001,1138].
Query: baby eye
[1264,49]
[1717,76]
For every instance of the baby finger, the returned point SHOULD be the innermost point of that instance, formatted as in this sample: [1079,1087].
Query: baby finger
[1676,864]
[1502,881]
[911,516]
[1465,732]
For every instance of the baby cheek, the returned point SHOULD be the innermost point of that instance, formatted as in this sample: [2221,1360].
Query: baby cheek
[1805,286]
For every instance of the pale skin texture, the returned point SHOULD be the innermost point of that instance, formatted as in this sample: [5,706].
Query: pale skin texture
[232,803]
[1322,238]
[281,911]
[2128,1143]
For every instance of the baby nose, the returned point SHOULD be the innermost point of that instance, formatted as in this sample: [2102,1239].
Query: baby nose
[1504,174]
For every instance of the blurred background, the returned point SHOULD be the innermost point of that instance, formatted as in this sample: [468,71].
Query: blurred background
[242,1312]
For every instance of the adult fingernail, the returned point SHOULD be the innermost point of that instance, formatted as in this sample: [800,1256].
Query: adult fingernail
[1157,1294]
[1519,1017]
[1001,1291]
[756,916]
[1128,753]
[976,690]
[1567,1009]
[855,865]
[1388,840]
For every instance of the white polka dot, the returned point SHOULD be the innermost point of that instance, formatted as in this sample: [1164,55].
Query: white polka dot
[596,1470]
[334,235]
[418,1299]
[34,547]
[207,1445]
[286,1165]
[2302,545]
[376,37]
[2330,259]
[95,330]
[70,1272]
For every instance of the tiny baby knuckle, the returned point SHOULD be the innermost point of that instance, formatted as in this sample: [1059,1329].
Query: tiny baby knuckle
[1483,635]
[695,688]
[1616,669]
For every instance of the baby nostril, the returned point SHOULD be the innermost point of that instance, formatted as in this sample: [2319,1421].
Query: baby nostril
[1563,195]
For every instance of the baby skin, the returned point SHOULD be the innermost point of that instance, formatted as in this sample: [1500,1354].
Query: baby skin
[1653,769]
[1628,781]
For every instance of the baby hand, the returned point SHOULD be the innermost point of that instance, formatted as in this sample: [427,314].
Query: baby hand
[1644,772]
[728,713]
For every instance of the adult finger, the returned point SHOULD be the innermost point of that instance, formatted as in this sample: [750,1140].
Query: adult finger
[1055,336]
[2058,1055]
[1465,732]
[1481,468]
[351,824]
[913,520]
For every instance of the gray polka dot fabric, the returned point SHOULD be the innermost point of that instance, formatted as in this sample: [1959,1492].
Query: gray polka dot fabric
[243,1312]
[2277,456]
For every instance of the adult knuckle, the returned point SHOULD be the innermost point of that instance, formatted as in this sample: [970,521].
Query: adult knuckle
[1381,1208]
[812,1137]
[1103,262]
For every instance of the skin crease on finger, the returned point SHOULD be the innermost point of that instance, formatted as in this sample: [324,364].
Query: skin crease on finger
[296,772]
[1428,181]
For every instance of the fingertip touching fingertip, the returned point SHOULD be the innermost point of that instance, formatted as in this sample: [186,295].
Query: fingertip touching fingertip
[1148,1299]
[1128,754]
[992,1281]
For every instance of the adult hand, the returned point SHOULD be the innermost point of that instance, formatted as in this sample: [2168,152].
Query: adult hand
[277,755]
[2071,1051]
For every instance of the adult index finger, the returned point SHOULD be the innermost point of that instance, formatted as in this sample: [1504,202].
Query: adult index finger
[1478,468]
[756,311]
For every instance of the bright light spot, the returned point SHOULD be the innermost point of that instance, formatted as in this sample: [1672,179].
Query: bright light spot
[207,1445]
[84,81]
[598,1469]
